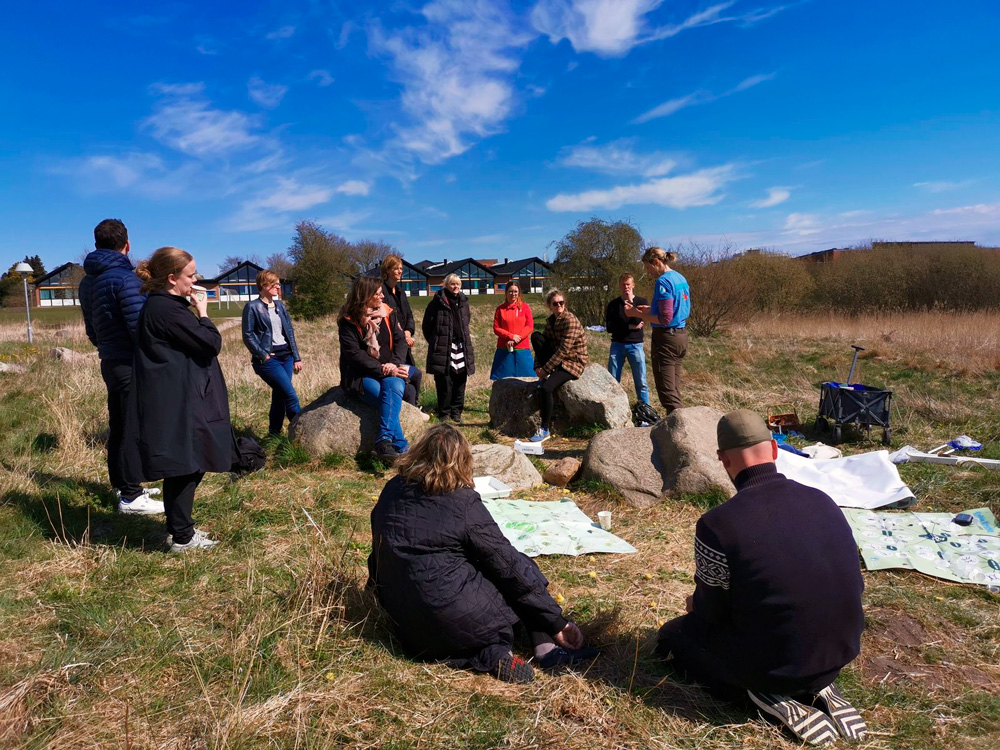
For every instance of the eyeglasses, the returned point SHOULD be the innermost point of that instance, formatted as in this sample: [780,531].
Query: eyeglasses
[559,303]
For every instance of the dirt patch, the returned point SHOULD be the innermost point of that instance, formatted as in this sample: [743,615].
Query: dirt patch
[899,629]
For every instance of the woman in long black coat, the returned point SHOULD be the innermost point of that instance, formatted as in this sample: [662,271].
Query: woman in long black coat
[449,579]
[451,358]
[396,298]
[177,427]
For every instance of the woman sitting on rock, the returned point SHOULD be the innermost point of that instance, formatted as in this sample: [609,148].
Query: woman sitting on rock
[372,360]
[448,578]
[560,355]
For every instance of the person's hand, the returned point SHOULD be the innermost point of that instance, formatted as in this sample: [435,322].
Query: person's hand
[403,371]
[516,339]
[266,358]
[642,308]
[409,338]
[540,373]
[297,367]
[388,368]
[569,637]
[200,303]
[689,603]
[638,326]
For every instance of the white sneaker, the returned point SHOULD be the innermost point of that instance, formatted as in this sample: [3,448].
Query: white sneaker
[151,491]
[143,505]
[200,540]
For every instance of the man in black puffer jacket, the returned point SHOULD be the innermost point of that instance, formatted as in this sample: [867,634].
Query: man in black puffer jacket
[111,300]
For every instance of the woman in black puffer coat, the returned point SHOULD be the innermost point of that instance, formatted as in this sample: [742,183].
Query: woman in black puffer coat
[450,355]
[448,578]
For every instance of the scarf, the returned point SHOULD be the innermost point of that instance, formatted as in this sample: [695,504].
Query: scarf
[373,317]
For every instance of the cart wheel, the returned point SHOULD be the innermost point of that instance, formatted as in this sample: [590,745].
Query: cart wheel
[886,435]
[836,434]
[822,424]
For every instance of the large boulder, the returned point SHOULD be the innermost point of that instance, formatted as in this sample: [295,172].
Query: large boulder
[506,464]
[688,447]
[338,423]
[594,398]
[628,460]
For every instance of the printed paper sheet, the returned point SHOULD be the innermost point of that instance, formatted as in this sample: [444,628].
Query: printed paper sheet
[552,528]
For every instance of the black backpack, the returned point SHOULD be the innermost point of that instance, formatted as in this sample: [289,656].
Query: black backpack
[251,456]
[644,414]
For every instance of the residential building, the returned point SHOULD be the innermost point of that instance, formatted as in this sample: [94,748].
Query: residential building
[531,273]
[59,288]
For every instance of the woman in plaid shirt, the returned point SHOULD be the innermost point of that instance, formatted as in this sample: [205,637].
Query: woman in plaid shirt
[560,355]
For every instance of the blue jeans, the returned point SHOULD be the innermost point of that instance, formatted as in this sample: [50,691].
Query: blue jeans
[637,362]
[277,373]
[387,395]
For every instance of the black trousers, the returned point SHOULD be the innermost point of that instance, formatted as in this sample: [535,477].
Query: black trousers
[544,349]
[178,502]
[687,642]
[117,375]
[451,393]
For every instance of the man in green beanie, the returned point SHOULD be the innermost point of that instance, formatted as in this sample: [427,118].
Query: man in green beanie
[776,611]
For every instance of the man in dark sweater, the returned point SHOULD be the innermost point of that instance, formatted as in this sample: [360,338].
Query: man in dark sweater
[776,610]
[626,338]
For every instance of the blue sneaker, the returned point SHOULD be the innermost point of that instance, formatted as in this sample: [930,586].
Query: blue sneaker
[540,435]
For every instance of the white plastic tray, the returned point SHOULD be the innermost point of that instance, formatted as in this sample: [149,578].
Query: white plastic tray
[491,488]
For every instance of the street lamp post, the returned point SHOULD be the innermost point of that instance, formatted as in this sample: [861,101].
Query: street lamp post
[25,270]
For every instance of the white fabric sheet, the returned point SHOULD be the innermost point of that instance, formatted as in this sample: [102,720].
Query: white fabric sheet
[867,480]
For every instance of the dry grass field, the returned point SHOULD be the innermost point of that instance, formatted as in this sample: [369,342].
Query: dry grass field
[270,641]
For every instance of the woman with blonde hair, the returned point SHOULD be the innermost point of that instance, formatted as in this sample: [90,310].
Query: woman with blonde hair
[668,314]
[513,324]
[448,578]
[373,360]
[451,358]
[560,356]
[177,427]
[274,353]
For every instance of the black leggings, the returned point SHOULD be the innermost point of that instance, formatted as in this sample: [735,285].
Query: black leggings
[544,349]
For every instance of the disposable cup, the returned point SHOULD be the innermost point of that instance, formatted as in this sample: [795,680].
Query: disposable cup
[604,518]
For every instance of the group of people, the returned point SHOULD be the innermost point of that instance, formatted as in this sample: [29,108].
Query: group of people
[775,615]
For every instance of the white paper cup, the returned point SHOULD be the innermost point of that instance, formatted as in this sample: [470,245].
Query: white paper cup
[199,291]
[604,518]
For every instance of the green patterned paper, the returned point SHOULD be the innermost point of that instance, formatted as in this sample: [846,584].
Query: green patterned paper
[552,528]
[930,543]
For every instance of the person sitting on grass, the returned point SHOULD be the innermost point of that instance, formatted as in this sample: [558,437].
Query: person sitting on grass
[451,583]
[560,355]
[373,360]
[776,611]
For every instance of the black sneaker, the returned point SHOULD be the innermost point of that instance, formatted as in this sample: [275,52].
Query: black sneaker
[845,716]
[385,452]
[564,657]
[805,722]
[512,668]
[456,419]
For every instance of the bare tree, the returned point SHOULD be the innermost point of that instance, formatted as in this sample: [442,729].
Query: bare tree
[369,253]
[721,292]
[280,264]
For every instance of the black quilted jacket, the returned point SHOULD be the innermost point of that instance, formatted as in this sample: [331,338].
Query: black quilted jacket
[447,576]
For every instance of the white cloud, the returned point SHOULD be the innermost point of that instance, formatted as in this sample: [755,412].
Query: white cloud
[456,73]
[343,222]
[775,196]
[943,186]
[322,77]
[271,208]
[354,187]
[611,28]
[284,32]
[673,106]
[978,211]
[138,172]
[749,83]
[617,157]
[188,122]
[802,224]
[267,95]
[701,188]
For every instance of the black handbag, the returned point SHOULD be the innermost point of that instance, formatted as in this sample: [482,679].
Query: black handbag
[251,456]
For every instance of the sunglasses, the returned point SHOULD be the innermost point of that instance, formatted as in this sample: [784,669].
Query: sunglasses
[560,303]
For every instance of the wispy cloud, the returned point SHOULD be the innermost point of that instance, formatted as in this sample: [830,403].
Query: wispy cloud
[943,186]
[672,106]
[354,187]
[345,221]
[802,225]
[775,196]
[456,72]
[322,77]
[138,172]
[267,95]
[617,157]
[700,188]
[284,32]
[273,207]
[186,121]
[611,28]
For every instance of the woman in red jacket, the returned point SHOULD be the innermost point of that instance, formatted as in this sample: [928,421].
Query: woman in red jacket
[513,324]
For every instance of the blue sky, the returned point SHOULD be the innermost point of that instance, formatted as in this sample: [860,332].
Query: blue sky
[489,128]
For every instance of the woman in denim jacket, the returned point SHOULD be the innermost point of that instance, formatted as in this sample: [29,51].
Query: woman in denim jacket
[268,334]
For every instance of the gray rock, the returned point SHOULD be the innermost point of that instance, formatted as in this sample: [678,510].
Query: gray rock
[337,423]
[595,398]
[69,355]
[560,473]
[12,368]
[506,464]
[514,406]
[687,444]
[628,460]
